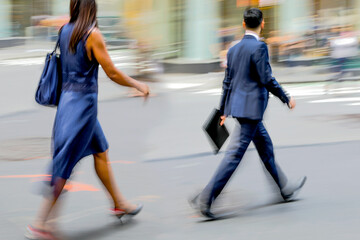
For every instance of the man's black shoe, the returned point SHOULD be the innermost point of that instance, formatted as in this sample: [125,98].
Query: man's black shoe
[207,213]
[203,208]
[291,190]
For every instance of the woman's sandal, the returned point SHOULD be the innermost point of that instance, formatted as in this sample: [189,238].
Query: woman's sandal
[35,233]
[119,213]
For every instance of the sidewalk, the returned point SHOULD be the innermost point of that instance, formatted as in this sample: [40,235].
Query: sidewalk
[284,75]
[34,49]
[300,74]
[297,74]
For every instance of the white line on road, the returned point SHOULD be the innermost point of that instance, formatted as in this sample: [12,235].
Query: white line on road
[182,85]
[24,62]
[354,104]
[39,50]
[187,165]
[210,91]
[333,100]
[296,92]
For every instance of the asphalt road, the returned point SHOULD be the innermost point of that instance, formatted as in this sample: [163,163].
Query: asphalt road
[160,157]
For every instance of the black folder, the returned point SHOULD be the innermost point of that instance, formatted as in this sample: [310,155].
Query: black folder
[217,134]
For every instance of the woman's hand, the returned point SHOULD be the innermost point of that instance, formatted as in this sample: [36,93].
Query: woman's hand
[96,45]
[144,88]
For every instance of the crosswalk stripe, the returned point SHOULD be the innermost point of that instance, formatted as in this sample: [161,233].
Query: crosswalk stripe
[126,60]
[354,104]
[299,91]
[334,100]
[24,62]
[210,91]
[182,85]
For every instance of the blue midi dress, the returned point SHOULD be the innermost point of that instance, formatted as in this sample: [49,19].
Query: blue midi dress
[77,132]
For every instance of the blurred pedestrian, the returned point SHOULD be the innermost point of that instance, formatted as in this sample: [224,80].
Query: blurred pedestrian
[343,48]
[77,132]
[248,81]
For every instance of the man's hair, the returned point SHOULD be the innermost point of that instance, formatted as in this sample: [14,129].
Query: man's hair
[253,17]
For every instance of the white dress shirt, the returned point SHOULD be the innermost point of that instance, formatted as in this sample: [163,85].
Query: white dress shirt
[251,33]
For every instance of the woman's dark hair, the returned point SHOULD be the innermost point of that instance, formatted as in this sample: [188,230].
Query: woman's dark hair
[253,17]
[83,15]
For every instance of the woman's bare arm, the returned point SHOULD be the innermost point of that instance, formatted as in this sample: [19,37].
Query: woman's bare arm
[96,45]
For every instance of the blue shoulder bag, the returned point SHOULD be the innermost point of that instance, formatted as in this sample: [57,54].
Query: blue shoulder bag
[49,89]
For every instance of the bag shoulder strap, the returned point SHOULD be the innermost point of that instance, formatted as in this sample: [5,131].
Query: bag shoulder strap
[92,28]
[58,39]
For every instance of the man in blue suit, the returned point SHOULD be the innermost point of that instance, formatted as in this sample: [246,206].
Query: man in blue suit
[248,81]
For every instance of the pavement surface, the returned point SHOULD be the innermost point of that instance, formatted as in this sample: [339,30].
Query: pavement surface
[160,157]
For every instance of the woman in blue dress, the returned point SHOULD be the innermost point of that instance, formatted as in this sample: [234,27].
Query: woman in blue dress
[77,132]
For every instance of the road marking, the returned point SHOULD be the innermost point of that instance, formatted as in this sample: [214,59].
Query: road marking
[334,100]
[182,85]
[39,157]
[309,90]
[25,176]
[24,62]
[71,186]
[187,165]
[214,91]
[39,50]
[147,198]
[120,65]
[343,92]
[123,162]
[354,104]
[80,187]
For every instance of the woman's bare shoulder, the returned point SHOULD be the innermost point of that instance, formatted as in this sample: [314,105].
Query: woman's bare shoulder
[95,36]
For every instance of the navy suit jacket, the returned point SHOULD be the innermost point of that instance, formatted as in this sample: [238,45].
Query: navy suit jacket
[248,81]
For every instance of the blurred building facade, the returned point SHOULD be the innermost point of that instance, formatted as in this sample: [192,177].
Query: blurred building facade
[189,29]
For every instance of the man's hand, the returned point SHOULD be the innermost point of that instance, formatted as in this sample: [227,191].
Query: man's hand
[292,103]
[222,120]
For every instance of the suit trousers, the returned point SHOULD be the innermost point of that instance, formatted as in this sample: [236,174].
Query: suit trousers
[251,130]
